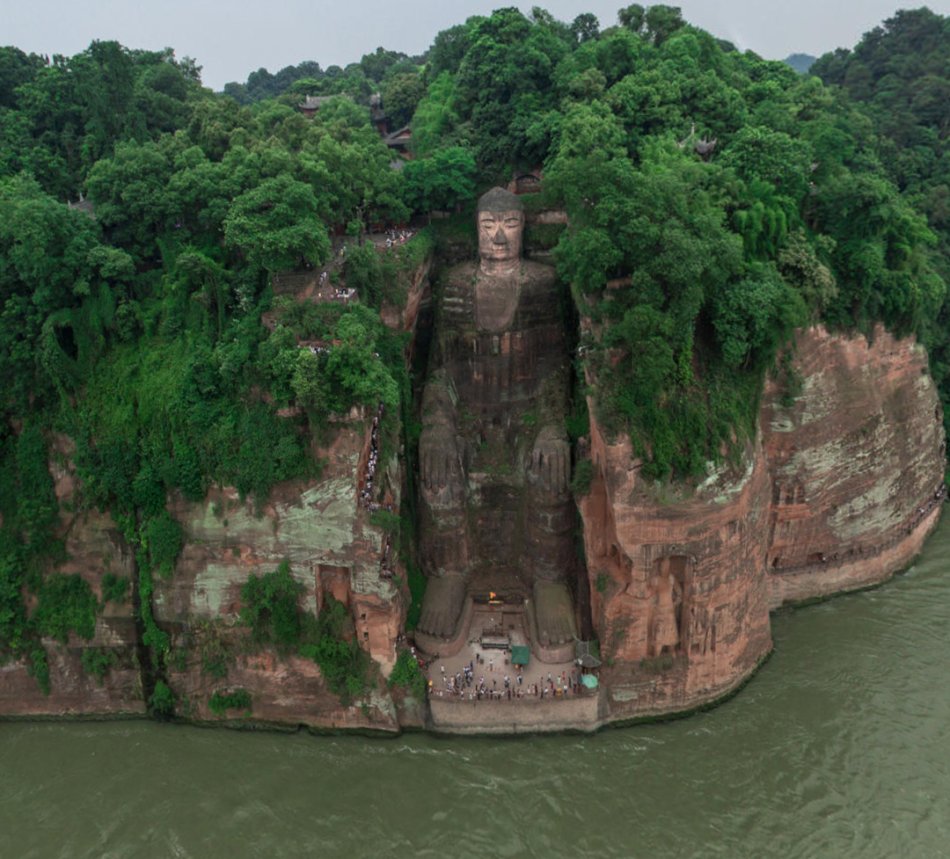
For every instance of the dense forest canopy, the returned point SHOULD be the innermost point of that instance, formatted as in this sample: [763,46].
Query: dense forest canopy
[716,201]
[899,76]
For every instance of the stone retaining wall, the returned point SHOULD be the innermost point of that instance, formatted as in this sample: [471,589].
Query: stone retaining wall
[517,716]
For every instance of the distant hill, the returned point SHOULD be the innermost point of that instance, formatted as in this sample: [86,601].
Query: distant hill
[800,62]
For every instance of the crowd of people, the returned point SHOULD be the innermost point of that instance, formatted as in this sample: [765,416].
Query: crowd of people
[338,293]
[512,685]
[366,493]
[396,237]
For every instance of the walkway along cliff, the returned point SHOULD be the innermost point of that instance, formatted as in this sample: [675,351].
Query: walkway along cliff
[838,491]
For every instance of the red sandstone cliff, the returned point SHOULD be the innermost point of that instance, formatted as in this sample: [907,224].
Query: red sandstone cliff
[839,491]
[855,463]
[679,594]
[321,527]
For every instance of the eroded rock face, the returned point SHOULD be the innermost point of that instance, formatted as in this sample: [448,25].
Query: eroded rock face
[856,463]
[403,318]
[320,526]
[94,547]
[839,492]
[678,589]
[325,533]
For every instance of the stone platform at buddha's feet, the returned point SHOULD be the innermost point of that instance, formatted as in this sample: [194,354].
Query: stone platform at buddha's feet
[497,623]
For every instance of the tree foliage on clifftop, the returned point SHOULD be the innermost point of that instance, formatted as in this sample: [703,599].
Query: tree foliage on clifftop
[897,75]
[716,202]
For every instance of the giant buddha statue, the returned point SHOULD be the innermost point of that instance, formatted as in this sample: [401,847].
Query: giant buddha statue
[496,512]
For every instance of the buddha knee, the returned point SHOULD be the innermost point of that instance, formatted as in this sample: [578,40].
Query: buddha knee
[439,463]
[550,465]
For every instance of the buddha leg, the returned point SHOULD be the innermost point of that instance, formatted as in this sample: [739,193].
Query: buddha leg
[549,529]
[443,538]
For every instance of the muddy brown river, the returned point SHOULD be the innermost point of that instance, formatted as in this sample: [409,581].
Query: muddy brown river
[839,747]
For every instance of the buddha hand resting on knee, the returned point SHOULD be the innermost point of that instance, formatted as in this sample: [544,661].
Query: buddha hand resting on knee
[440,465]
[550,466]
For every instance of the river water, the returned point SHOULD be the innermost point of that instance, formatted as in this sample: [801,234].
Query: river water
[839,747]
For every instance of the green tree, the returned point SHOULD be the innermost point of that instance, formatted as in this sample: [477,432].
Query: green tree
[354,369]
[505,76]
[401,95]
[754,316]
[436,116]
[66,605]
[585,27]
[275,225]
[269,605]
[16,69]
[352,167]
[131,199]
[446,180]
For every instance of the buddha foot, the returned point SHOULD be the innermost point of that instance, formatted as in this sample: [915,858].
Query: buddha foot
[442,606]
[554,613]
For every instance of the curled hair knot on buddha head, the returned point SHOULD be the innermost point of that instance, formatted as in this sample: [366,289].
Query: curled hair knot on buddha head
[499,200]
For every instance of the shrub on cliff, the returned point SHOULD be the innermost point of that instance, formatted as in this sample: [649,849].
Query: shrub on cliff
[96,662]
[237,699]
[269,606]
[115,588]
[408,675]
[161,704]
[583,475]
[164,539]
[39,668]
[330,643]
[66,605]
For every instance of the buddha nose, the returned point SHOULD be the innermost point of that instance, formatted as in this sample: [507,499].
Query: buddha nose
[500,238]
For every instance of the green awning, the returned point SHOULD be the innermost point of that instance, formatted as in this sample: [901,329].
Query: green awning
[589,681]
[520,654]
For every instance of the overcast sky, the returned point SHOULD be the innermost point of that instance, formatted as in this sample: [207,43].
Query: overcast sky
[231,39]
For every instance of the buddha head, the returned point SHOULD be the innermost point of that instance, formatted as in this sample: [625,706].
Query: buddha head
[500,217]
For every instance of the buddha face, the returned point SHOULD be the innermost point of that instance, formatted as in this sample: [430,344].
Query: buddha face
[499,235]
